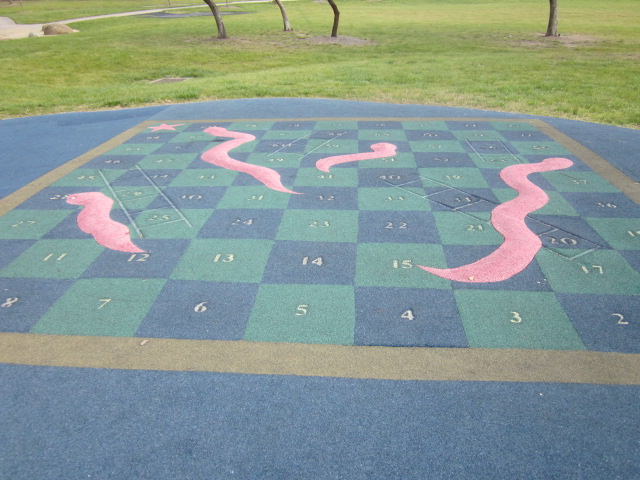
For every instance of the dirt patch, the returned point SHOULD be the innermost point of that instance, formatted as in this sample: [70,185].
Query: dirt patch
[340,40]
[570,40]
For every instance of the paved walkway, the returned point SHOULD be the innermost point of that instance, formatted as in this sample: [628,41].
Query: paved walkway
[9,30]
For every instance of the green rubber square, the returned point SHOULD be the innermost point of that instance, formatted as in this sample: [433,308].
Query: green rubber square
[382,136]
[478,135]
[135,149]
[303,314]
[620,233]
[169,161]
[452,177]
[209,177]
[31,224]
[224,260]
[501,319]
[169,223]
[425,125]
[54,259]
[581,182]
[275,160]
[336,125]
[250,126]
[288,135]
[340,177]
[133,198]
[319,226]
[449,146]
[600,272]
[513,126]
[399,160]
[112,307]
[557,204]
[551,149]
[456,228]
[253,197]
[385,198]
[396,265]
[88,177]
[331,147]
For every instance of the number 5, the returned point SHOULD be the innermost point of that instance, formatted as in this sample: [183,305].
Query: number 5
[302,310]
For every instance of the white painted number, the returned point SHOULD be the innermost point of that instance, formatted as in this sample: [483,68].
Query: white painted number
[9,302]
[408,315]
[200,308]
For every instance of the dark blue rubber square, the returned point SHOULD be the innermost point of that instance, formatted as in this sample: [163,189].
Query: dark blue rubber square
[397,227]
[302,125]
[53,198]
[323,198]
[443,160]
[148,136]
[200,310]
[607,323]
[259,223]
[184,147]
[428,135]
[158,261]
[68,228]
[633,257]
[271,146]
[578,165]
[407,317]
[24,300]
[364,146]
[120,162]
[486,147]
[199,127]
[11,249]
[492,177]
[602,205]
[469,125]
[287,177]
[189,197]
[311,263]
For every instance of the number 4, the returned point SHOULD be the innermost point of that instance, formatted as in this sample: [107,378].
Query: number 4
[408,315]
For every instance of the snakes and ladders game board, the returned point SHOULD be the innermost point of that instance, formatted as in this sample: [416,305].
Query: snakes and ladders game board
[393,232]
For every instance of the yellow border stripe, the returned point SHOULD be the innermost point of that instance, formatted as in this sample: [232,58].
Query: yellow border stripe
[263,358]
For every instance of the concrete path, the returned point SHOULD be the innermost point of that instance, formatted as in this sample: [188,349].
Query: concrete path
[9,30]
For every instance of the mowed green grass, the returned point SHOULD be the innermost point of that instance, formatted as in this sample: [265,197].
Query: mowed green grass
[467,53]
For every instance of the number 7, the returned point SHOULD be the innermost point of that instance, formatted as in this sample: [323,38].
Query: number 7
[105,301]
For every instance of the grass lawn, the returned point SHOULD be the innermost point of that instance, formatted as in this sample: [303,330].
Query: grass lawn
[470,53]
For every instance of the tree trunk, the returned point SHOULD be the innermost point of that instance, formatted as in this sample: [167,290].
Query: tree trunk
[285,18]
[552,28]
[222,32]
[336,19]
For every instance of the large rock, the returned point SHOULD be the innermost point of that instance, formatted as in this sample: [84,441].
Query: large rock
[57,29]
[6,21]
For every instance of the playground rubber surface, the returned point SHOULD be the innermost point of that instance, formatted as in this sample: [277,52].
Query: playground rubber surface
[322,289]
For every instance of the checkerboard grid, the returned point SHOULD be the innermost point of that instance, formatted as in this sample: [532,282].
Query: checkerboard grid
[407,313]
